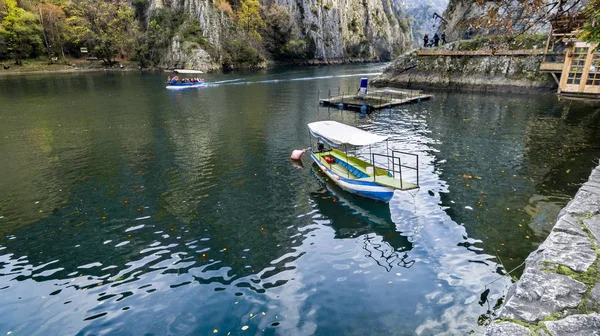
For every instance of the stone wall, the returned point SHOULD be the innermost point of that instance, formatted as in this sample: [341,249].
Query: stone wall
[472,72]
[559,291]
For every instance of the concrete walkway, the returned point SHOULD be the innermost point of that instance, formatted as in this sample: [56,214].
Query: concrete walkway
[559,291]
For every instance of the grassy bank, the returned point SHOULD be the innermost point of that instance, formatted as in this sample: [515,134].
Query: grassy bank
[68,65]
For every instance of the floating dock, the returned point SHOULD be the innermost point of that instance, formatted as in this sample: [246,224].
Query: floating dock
[375,99]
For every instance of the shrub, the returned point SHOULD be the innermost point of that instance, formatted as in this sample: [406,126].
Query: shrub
[224,7]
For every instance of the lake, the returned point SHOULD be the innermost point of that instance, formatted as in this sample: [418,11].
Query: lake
[128,209]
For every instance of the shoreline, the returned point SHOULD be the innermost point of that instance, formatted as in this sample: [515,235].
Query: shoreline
[559,291]
[67,69]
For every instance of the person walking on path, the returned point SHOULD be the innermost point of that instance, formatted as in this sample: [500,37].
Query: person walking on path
[426,40]
[436,40]
[444,38]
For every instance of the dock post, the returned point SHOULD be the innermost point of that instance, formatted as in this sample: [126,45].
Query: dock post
[338,90]
[329,94]
[343,93]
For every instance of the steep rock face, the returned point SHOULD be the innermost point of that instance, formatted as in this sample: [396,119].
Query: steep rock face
[336,30]
[474,16]
[492,72]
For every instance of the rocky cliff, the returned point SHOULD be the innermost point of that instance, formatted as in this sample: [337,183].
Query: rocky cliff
[476,72]
[326,31]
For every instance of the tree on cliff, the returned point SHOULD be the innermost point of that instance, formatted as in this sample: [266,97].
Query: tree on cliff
[106,27]
[20,31]
[249,17]
[520,17]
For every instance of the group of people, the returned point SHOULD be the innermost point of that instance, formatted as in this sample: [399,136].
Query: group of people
[435,41]
[176,80]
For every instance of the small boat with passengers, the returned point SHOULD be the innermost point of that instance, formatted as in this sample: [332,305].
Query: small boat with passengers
[186,83]
[376,178]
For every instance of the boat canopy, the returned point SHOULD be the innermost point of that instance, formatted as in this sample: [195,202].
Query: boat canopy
[338,134]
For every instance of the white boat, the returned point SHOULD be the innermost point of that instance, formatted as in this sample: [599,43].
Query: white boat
[184,71]
[367,178]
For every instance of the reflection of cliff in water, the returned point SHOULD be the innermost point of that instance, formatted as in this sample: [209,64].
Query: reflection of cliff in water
[365,220]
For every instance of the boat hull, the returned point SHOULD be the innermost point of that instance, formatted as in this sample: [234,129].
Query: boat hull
[366,189]
[185,86]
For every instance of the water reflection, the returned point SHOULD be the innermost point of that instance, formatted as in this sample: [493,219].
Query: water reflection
[363,219]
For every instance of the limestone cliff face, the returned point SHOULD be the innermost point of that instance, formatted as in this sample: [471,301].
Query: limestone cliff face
[336,30]
[492,72]
[463,15]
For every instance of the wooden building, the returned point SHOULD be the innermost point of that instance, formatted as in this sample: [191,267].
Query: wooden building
[574,64]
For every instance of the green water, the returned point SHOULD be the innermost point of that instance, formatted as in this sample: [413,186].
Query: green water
[127,209]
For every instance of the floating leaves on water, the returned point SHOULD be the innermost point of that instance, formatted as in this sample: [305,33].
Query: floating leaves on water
[245,327]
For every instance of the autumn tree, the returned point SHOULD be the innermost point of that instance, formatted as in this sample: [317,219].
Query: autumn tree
[19,31]
[54,27]
[249,17]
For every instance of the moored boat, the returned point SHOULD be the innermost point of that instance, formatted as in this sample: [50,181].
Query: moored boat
[367,178]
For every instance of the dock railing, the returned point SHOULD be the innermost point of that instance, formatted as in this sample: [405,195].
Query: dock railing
[395,164]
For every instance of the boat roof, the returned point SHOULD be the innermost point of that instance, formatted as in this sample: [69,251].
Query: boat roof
[340,134]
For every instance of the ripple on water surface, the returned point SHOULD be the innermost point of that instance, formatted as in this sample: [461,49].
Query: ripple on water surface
[142,210]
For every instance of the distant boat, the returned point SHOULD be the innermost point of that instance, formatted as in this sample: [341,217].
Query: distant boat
[188,85]
[184,71]
[364,178]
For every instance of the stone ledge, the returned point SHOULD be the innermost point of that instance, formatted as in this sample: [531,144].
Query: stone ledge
[539,294]
[507,328]
[575,325]
[554,303]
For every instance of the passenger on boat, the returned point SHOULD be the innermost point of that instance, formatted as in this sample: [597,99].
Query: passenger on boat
[320,147]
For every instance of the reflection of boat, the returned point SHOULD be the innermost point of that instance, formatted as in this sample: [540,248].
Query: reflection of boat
[179,86]
[187,71]
[355,217]
[364,178]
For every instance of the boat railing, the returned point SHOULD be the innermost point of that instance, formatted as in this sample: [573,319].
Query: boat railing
[395,164]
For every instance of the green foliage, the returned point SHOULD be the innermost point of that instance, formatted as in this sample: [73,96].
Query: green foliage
[240,54]
[152,46]
[140,7]
[105,27]
[277,29]
[299,49]
[20,32]
[327,6]
[404,24]
[249,17]
[193,33]
[591,30]
[353,25]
